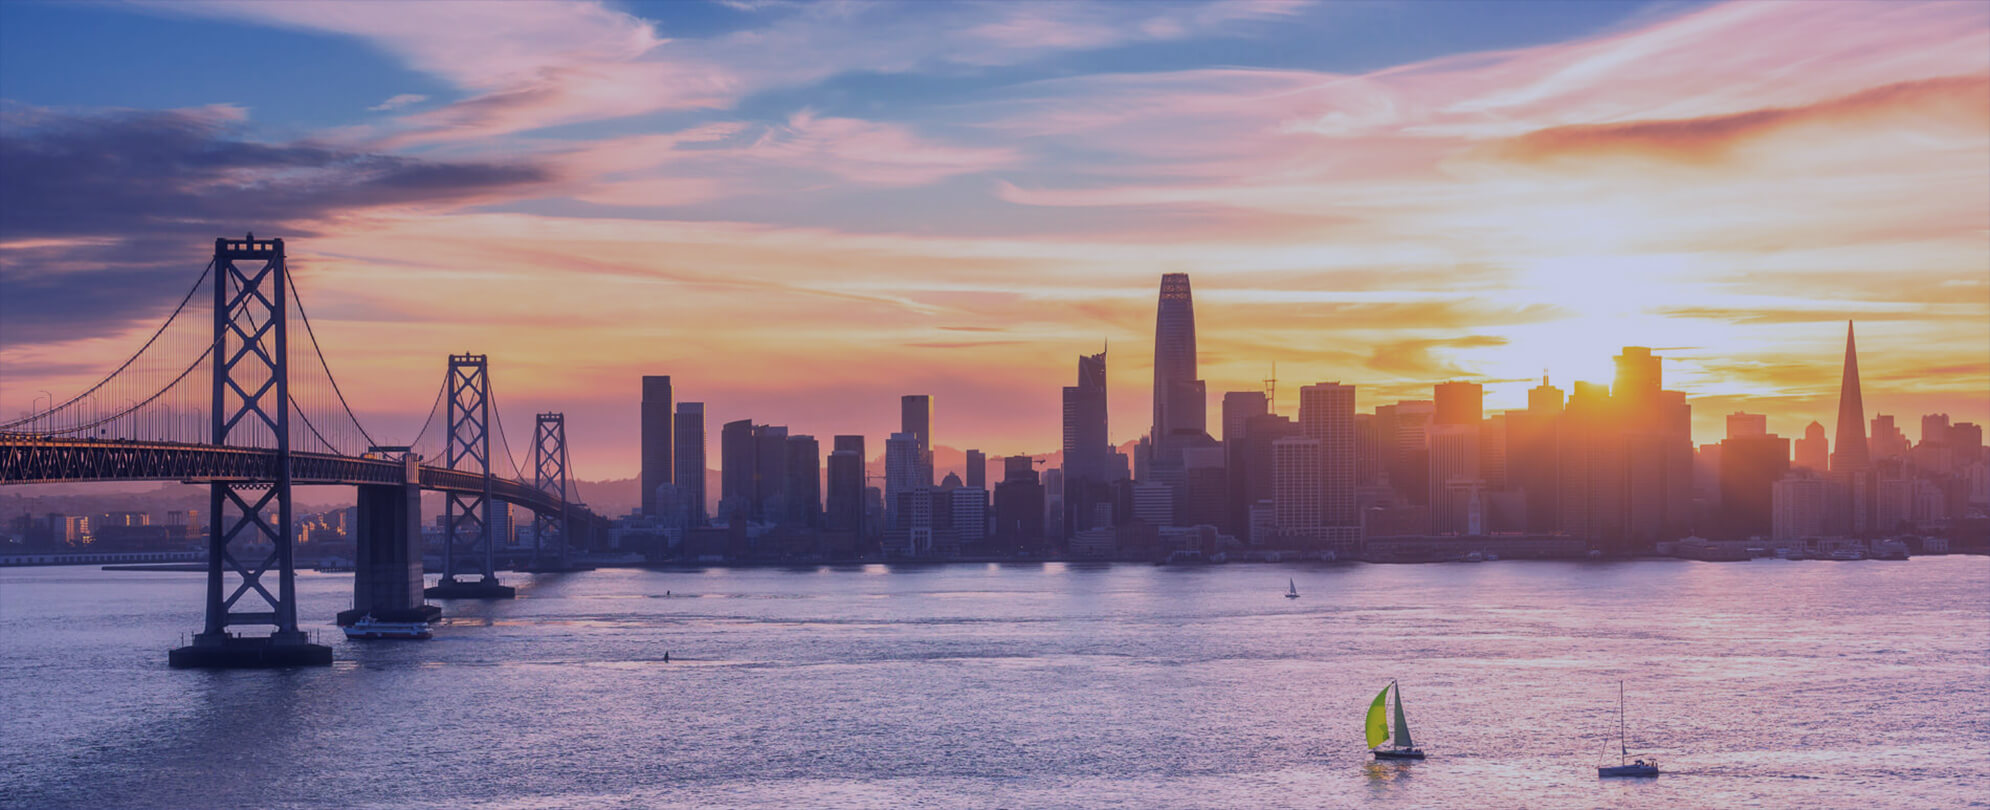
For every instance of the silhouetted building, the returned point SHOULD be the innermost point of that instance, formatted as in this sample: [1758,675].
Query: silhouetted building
[1750,468]
[1086,446]
[770,481]
[738,470]
[1239,408]
[916,418]
[845,504]
[657,459]
[1742,425]
[689,472]
[1326,414]
[977,470]
[803,491]
[1533,456]
[1800,503]
[1180,402]
[1019,505]
[1813,451]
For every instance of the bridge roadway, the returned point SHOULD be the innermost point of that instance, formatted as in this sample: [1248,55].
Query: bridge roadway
[30,459]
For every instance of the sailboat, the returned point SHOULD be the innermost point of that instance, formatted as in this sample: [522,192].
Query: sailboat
[1292,589]
[1624,766]
[1378,728]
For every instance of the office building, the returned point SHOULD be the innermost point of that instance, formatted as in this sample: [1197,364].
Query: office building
[803,490]
[916,418]
[845,503]
[1742,425]
[657,459]
[1813,451]
[738,465]
[1086,447]
[1180,403]
[688,472]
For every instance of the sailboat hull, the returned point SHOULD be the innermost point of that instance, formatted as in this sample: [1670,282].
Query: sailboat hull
[1626,770]
[1398,753]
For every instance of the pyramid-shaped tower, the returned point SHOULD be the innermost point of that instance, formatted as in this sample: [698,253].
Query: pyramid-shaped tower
[1851,454]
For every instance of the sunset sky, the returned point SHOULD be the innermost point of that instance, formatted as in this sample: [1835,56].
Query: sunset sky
[800,211]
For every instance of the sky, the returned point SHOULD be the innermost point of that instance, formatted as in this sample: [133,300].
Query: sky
[801,211]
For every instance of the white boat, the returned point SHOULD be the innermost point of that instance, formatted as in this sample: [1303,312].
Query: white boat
[1474,556]
[370,628]
[1292,589]
[1848,554]
[1377,728]
[1625,766]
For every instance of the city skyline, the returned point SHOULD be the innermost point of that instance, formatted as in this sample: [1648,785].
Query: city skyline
[1384,210]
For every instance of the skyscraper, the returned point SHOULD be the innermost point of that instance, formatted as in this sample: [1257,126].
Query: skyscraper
[977,469]
[1179,402]
[1086,447]
[1851,453]
[803,491]
[1814,450]
[770,472]
[689,469]
[656,439]
[1741,425]
[915,414]
[1239,408]
[737,471]
[1326,415]
[845,504]
[901,474]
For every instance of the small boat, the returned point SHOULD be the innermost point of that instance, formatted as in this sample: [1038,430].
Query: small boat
[1624,766]
[1848,554]
[1378,728]
[1474,556]
[370,628]
[1292,589]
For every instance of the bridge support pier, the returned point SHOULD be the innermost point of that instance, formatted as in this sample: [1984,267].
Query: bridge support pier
[251,382]
[387,569]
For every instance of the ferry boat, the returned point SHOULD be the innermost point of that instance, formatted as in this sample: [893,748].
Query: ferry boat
[370,628]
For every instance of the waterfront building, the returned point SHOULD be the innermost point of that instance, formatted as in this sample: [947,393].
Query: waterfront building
[1180,406]
[688,472]
[656,437]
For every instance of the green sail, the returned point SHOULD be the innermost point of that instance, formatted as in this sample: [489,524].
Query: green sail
[1378,723]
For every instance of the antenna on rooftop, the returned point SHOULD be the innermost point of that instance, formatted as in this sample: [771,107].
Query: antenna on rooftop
[1271,389]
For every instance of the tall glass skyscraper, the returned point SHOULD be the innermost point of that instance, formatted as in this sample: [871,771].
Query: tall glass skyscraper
[656,439]
[690,466]
[1179,401]
[1086,446]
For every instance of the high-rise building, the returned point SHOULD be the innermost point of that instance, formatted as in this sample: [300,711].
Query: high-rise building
[1296,488]
[1744,425]
[1851,455]
[738,471]
[845,504]
[915,416]
[770,482]
[1459,403]
[1750,468]
[1239,408]
[1533,456]
[1801,504]
[903,464]
[1180,404]
[689,470]
[977,470]
[1326,414]
[1887,439]
[803,490]
[1814,450]
[1019,504]
[1409,470]
[656,459]
[1258,466]
[1086,446]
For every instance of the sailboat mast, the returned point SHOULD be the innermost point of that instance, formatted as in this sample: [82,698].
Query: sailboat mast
[1623,744]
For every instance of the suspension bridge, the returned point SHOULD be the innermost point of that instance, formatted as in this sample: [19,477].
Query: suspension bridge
[226,393]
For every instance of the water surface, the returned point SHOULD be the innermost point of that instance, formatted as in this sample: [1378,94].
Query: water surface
[1762,684]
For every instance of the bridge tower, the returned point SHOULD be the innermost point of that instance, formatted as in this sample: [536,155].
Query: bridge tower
[549,475]
[467,542]
[251,408]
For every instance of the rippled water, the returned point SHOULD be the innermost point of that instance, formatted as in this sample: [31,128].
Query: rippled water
[1763,684]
